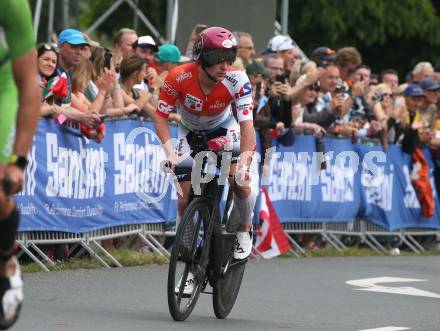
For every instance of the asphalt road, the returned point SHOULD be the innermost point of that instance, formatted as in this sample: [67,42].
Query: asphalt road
[282,294]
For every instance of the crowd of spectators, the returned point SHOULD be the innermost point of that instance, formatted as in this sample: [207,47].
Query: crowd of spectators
[329,92]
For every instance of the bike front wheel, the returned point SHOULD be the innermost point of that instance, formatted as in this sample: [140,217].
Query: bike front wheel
[227,287]
[188,256]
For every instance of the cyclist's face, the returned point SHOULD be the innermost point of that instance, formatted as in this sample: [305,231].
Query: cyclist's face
[218,71]
[47,63]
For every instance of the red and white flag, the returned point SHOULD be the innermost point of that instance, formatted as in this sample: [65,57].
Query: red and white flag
[271,239]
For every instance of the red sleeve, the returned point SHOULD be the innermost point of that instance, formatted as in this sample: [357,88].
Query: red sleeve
[168,95]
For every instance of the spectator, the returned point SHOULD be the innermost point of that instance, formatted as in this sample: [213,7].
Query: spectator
[305,106]
[422,70]
[132,72]
[416,132]
[347,59]
[145,47]
[300,68]
[274,63]
[323,56]
[71,45]
[167,58]
[390,77]
[245,47]
[284,47]
[428,111]
[81,75]
[87,51]
[122,43]
[103,70]
[47,60]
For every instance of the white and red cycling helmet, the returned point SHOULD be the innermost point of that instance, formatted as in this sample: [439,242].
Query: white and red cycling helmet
[215,45]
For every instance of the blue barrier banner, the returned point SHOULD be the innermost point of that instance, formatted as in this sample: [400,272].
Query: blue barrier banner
[389,199]
[301,192]
[75,185]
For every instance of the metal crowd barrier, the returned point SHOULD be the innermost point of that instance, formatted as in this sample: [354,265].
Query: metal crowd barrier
[90,242]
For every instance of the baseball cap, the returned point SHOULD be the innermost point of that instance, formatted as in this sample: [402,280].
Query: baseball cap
[323,56]
[170,53]
[146,41]
[71,36]
[258,69]
[280,43]
[429,83]
[414,90]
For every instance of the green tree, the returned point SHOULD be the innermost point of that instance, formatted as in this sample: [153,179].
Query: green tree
[388,33]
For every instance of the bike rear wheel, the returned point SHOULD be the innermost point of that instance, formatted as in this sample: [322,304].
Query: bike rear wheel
[189,254]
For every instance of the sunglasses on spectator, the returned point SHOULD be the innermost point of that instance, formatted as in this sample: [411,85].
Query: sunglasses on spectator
[315,87]
[47,47]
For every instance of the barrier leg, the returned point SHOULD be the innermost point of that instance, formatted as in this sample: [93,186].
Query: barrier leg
[106,253]
[296,246]
[336,239]
[41,253]
[411,246]
[158,244]
[33,257]
[415,242]
[370,244]
[94,255]
[331,242]
[377,243]
[150,244]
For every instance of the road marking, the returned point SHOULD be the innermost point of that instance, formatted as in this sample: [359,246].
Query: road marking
[388,328]
[371,284]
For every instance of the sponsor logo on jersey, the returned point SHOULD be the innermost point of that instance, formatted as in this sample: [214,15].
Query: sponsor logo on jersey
[193,102]
[218,105]
[169,89]
[183,76]
[232,80]
[245,108]
[245,90]
[164,107]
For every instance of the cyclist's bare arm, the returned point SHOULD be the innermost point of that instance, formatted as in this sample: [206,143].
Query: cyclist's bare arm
[25,74]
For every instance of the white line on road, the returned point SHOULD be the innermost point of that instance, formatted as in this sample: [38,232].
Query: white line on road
[388,328]
[371,284]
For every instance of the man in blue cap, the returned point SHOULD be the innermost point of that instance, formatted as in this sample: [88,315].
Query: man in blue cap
[431,88]
[416,133]
[71,44]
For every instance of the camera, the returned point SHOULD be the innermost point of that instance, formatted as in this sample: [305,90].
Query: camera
[378,97]
[280,78]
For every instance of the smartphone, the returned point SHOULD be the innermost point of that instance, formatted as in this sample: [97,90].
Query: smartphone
[107,59]
[280,78]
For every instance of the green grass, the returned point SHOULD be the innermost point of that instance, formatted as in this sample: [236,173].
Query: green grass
[130,258]
[331,252]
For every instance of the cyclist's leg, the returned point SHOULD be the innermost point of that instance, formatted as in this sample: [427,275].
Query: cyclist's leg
[11,285]
[245,193]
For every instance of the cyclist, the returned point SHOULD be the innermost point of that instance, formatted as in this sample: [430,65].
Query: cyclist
[203,92]
[19,90]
